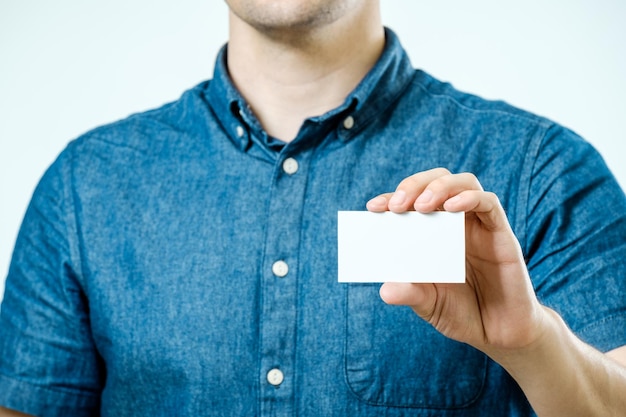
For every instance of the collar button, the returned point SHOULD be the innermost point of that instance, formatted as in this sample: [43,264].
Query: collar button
[348,122]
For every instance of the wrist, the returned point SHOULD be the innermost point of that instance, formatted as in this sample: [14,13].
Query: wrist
[543,341]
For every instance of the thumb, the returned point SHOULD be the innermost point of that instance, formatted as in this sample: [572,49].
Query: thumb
[422,298]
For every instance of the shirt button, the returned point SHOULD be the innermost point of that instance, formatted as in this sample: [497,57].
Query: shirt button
[348,122]
[280,268]
[240,131]
[290,166]
[275,377]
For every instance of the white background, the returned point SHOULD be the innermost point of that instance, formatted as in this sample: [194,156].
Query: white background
[67,66]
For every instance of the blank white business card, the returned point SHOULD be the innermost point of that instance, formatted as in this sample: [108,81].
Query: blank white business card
[406,247]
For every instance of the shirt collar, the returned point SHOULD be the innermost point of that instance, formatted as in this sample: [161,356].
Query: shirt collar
[379,88]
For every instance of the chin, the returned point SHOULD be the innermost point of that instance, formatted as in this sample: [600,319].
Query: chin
[272,15]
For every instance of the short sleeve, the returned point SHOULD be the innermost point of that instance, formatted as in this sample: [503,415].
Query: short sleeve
[576,246]
[48,363]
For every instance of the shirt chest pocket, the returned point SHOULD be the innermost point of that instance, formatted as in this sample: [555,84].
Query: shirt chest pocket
[394,359]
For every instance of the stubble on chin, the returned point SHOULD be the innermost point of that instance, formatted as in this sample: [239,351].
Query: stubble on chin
[278,19]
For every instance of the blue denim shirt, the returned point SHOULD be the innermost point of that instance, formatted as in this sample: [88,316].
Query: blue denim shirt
[183,263]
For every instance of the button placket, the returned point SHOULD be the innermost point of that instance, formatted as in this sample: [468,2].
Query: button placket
[279,284]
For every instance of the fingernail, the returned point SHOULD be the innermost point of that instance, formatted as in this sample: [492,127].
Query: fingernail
[377,202]
[425,197]
[398,198]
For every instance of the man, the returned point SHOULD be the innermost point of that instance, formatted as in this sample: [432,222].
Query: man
[183,261]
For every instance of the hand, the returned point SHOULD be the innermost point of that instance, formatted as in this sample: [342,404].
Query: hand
[496,309]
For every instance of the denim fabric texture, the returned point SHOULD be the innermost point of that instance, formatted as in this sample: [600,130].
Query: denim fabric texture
[144,279]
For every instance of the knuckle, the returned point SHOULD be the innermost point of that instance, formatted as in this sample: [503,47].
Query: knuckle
[410,181]
[492,198]
[425,178]
[440,171]
[471,180]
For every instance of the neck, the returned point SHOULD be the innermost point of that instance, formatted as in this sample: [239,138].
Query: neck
[289,75]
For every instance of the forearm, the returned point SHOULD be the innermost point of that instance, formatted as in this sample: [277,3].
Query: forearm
[562,376]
